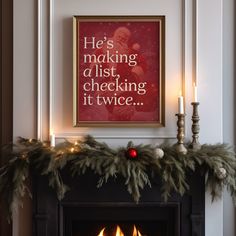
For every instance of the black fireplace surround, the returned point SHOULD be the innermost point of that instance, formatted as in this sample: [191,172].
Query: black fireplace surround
[85,210]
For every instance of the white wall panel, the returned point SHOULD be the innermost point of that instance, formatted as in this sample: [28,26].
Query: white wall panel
[210,81]
[61,115]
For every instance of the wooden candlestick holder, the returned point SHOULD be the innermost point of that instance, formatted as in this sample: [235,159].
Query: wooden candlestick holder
[195,145]
[180,134]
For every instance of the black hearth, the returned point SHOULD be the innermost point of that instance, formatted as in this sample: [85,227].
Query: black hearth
[86,210]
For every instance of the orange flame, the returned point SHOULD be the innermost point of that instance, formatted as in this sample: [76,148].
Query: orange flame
[136,232]
[118,231]
[101,232]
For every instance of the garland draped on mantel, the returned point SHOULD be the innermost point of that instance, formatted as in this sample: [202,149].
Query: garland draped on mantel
[137,164]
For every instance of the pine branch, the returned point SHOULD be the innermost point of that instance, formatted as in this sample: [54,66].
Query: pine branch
[107,163]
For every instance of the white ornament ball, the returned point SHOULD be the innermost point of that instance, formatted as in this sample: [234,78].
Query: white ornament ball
[221,173]
[159,153]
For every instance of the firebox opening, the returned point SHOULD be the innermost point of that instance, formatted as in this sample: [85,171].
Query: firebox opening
[152,228]
[149,220]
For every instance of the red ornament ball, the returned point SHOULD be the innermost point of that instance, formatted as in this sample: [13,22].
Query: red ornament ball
[132,153]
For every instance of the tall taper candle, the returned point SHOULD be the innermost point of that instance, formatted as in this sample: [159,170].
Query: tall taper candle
[52,139]
[195,92]
[181,104]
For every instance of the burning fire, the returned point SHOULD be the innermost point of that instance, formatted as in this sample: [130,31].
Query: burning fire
[101,233]
[136,232]
[120,233]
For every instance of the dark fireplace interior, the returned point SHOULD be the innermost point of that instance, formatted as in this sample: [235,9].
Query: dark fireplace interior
[110,211]
[148,219]
[126,228]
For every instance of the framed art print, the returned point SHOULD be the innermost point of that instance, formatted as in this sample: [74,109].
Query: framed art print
[119,70]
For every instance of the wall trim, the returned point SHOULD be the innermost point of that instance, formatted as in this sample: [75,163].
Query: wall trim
[43,68]
[72,136]
[51,63]
[50,104]
[195,41]
[39,73]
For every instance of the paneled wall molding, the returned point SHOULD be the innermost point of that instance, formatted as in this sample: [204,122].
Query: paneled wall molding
[195,41]
[46,77]
[51,63]
[39,84]
[43,67]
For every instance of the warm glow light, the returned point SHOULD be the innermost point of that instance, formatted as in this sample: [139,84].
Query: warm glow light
[136,232]
[72,149]
[118,231]
[101,233]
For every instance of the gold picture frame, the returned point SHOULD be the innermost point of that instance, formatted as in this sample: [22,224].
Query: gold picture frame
[119,71]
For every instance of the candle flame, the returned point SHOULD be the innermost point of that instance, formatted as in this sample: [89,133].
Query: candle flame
[51,132]
[180,93]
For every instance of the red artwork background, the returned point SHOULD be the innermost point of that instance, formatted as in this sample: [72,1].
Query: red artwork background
[118,71]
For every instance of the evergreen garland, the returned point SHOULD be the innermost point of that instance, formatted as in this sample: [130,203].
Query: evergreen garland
[217,162]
